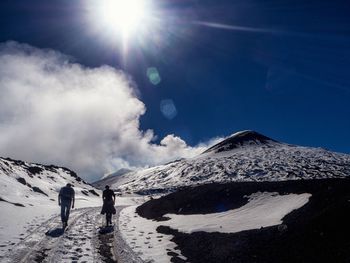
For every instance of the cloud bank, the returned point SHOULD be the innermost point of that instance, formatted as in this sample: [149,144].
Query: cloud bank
[56,111]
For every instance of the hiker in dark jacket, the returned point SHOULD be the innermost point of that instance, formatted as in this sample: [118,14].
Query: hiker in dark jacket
[108,198]
[66,200]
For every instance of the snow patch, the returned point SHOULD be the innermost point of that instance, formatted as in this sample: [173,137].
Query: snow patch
[263,210]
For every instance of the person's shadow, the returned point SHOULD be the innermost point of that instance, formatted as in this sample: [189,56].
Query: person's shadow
[106,230]
[56,232]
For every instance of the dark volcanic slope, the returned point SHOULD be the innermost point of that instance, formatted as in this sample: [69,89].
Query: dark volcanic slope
[240,139]
[317,232]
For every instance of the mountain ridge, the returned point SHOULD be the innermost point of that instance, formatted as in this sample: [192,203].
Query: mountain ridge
[38,181]
[244,156]
[240,139]
[111,178]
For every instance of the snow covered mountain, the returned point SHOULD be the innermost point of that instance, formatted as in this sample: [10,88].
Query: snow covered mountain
[26,184]
[118,173]
[111,178]
[244,156]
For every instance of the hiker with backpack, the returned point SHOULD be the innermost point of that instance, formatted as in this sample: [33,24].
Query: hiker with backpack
[108,208]
[66,200]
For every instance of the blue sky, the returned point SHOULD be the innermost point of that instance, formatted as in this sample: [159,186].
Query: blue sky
[285,73]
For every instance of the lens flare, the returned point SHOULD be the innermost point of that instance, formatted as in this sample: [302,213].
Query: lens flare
[153,76]
[168,108]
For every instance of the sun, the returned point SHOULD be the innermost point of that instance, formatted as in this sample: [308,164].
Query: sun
[125,25]
[125,17]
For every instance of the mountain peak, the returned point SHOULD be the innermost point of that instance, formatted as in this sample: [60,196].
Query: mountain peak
[239,139]
[117,173]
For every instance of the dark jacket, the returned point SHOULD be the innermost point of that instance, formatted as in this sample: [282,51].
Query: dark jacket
[66,194]
[108,202]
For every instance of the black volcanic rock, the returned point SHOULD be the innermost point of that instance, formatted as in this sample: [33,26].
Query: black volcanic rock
[240,139]
[22,180]
[34,170]
[16,204]
[317,232]
[94,192]
[38,190]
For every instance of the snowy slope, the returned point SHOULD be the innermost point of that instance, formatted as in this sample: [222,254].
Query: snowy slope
[112,178]
[28,196]
[117,173]
[245,156]
[29,184]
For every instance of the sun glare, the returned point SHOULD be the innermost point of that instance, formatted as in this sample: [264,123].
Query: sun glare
[125,24]
[124,16]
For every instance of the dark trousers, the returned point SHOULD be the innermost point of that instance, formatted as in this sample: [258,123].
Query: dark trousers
[65,209]
[109,218]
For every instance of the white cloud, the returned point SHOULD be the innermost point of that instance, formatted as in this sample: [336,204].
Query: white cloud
[55,111]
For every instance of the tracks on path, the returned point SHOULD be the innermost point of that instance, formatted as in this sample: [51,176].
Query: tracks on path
[81,242]
[122,250]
